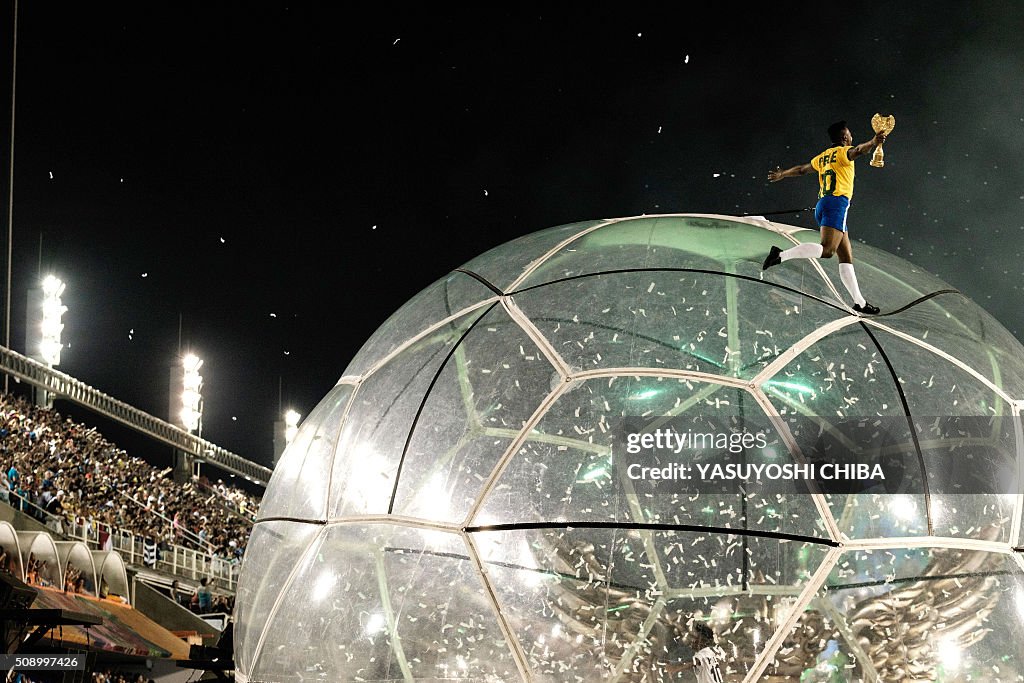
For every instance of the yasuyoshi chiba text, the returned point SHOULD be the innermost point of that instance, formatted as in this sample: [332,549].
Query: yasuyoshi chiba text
[827,471]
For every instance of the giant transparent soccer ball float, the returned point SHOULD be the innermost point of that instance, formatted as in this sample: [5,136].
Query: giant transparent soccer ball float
[452,509]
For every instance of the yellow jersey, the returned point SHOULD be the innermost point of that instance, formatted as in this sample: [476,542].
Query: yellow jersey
[835,172]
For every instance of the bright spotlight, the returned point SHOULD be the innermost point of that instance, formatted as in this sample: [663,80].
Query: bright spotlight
[51,326]
[191,395]
[291,424]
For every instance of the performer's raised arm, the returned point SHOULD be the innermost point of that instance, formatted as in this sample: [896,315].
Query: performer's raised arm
[865,147]
[777,173]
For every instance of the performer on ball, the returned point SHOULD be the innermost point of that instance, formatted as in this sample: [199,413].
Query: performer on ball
[835,172]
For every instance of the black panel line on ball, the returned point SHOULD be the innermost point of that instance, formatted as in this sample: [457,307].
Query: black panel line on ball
[412,378]
[510,565]
[915,302]
[300,520]
[911,579]
[910,422]
[681,270]
[749,278]
[480,278]
[423,402]
[652,526]
[754,214]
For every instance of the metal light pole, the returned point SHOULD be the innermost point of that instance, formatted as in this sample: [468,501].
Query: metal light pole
[10,194]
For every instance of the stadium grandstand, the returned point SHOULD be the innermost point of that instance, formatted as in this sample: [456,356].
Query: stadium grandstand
[130,568]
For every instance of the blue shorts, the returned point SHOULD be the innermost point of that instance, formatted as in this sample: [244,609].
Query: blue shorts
[831,211]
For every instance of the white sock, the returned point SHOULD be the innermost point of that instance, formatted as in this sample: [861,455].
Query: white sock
[849,278]
[809,250]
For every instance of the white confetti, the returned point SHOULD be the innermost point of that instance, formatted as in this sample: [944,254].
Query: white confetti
[686,60]
[145,275]
[222,240]
[273,315]
[51,175]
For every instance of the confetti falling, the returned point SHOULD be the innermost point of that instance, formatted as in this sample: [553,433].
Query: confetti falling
[564,149]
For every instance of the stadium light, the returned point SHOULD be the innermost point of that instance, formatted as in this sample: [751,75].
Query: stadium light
[191,395]
[51,326]
[291,424]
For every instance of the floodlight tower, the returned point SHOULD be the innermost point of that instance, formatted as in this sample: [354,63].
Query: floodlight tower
[192,394]
[284,432]
[43,331]
[186,408]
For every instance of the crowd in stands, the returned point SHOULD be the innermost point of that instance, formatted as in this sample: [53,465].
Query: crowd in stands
[105,676]
[238,500]
[114,676]
[74,473]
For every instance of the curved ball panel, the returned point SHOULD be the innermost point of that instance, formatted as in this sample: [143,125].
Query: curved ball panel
[958,327]
[298,486]
[611,604]
[669,319]
[503,265]
[383,413]
[479,402]
[574,466]
[903,614]
[699,244]
[271,555]
[385,603]
[446,297]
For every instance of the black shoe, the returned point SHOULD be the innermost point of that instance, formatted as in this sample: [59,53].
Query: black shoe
[867,309]
[772,259]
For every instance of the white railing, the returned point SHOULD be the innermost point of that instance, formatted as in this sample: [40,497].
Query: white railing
[193,537]
[177,560]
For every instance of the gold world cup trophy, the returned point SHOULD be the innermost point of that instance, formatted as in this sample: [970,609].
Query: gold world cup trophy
[881,124]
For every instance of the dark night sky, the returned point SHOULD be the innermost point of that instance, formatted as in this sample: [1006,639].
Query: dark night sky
[218,163]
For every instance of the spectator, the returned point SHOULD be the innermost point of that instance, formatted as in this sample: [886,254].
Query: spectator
[5,488]
[204,595]
[46,497]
